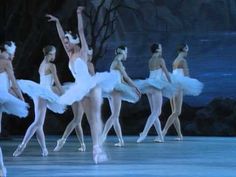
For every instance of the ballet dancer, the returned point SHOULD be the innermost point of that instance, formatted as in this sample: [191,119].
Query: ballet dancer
[76,122]
[11,98]
[85,85]
[44,96]
[157,85]
[125,90]
[186,86]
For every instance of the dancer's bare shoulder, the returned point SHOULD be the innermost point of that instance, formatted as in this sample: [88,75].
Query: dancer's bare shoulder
[6,66]
[155,62]
[117,64]
[179,63]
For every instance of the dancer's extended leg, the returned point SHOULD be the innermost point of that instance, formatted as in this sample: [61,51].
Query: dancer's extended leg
[40,108]
[177,105]
[155,99]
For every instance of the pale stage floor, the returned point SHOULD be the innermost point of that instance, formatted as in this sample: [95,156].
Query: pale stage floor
[193,157]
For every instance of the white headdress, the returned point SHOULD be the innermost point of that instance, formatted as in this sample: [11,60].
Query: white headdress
[186,48]
[119,51]
[90,51]
[72,39]
[10,48]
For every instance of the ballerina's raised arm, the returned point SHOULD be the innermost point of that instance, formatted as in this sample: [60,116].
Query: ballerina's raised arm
[84,45]
[60,31]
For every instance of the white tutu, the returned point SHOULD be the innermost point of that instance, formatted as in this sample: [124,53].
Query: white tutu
[189,85]
[9,103]
[44,91]
[84,82]
[12,105]
[127,93]
[158,81]
[107,80]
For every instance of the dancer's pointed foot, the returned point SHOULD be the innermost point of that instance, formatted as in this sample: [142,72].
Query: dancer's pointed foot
[3,171]
[120,143]
[141,138]
[99,155]
[44,152]
[19,150]
[60,144]
[159,139]
[82,148]
[179,138]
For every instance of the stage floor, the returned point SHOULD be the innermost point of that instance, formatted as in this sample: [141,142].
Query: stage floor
[193,157]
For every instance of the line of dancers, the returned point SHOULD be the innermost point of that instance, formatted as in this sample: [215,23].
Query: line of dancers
[86,93]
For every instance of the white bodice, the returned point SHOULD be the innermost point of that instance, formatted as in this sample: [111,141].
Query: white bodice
[79,69]
[46,80]
[4,81]
[156,74]
[178,71]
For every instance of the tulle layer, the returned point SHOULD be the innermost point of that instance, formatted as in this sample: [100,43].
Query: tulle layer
[107,80]
[35,90]
[127,93]
[168,89]
[76,91]
[190,86]
[12,105]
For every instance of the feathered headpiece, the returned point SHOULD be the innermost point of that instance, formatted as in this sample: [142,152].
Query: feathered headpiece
[10,48]
[186,48]
[72,39]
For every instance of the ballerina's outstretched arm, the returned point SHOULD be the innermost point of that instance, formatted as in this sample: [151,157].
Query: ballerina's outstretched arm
[60,30]
[84,45]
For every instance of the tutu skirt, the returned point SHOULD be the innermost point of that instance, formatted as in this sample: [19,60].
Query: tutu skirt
[190,86]
[12,105]
[168,89]
[35,90]
[76,91]
[157,80]
[127,93]
[107,80]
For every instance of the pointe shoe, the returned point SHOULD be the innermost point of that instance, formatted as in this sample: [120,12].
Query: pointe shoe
[158,140]
[180,138]
[120,144]
[19,150]
[3,172]
[99,155]
[60,144]
[141,138]
[82,148]
[44,152]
